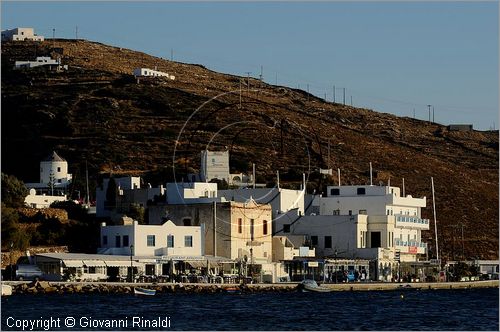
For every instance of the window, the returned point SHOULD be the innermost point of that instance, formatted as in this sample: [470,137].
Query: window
[188,241]
[125,240]
[117,241]
[286,228]
[59,169]
[336,212]
[375,240]
[328,241]
[104,240]
[150,240]
[92,270]
[388,212]
[59,180]
[361,191]
[314,240]
[251,229]
[362,211]
[186,221]
[240,226]
[170,241]
[335,192]
[264,227]
[350,212]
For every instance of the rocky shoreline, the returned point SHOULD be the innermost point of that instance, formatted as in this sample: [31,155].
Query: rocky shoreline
[46,287]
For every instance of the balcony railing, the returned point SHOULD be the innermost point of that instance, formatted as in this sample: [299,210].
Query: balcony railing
[401,243]
[410,219]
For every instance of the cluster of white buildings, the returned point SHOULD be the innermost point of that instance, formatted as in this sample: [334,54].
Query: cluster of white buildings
[276,233]
[41,61]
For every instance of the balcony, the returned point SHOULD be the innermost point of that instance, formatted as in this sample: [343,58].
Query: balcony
[411,222]
[410,247]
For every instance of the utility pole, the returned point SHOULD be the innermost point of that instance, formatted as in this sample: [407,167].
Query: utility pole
[334,93]
[433,114]
[261,76]
[344,98]
[307,91]
[240,93]
[325,96]
[328,163]
[351,100]
[414,113]
[429,106]
[276,79]
[248,82]
[171,54]
[53,37]
[76,32]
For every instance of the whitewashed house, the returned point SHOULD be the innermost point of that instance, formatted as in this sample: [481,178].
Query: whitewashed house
[53,185]
[151,240]
[21,34]
[39,62]
[147,72]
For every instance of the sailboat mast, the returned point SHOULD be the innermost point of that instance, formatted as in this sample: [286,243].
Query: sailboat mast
[435,224]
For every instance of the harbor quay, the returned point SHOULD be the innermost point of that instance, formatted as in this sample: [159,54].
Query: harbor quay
[61,287]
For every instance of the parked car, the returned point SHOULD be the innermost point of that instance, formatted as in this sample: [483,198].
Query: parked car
[28,272]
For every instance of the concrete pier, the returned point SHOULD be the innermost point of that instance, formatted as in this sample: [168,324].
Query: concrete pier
[46,287]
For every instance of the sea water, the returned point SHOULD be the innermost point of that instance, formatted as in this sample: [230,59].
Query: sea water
[468,309]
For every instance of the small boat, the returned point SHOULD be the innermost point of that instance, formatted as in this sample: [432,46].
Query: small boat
[232,290]
[6,290]
[309,285]
[144,291]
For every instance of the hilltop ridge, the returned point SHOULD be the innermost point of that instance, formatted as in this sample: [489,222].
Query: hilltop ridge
[97,111]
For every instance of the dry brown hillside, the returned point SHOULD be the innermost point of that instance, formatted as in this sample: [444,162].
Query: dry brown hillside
[98,112]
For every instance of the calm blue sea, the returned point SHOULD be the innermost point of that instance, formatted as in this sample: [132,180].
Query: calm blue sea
[472,309]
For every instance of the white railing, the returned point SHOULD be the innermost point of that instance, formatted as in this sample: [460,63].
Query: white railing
[411,219]
[401,243]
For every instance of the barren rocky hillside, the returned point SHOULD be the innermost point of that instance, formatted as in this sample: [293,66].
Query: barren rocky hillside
[97,111]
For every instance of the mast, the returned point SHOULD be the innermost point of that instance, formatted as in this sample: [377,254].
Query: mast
[435,225]
[87,197]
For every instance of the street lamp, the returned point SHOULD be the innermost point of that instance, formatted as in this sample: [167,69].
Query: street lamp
[131,265]
[10,259]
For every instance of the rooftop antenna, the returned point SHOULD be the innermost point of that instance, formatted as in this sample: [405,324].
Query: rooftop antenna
[253,166]
[435,224]
[304,182]
[389,182]
[338,174]
[87,180]
[371,175]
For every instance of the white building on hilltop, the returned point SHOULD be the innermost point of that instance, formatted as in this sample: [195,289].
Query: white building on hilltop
[21,34]
[53,185]
[146,72]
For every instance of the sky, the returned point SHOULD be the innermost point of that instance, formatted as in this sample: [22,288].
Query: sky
[392,57]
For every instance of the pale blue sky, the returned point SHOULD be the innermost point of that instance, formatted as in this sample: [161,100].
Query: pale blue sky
[390,56]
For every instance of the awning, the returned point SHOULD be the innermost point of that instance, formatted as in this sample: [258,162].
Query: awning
[197,264]
[94,263]
[121,263]
[72,263]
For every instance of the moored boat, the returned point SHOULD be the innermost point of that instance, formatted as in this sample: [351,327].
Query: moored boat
[311,286]
[6,290]
[144,291]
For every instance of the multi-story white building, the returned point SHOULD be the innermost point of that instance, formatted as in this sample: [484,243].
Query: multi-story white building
[191,192]
[54,181]
[39,62]
[129,191]
[151,240]
[21,34]
[393,221]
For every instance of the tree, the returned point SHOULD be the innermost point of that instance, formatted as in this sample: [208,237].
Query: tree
[13,191]
[11,232]
[111,195]
[136,212]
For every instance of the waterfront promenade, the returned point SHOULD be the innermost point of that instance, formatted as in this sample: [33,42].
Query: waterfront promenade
[45,287]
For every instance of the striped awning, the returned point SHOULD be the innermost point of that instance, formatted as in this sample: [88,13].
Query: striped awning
[94,263]
[197,264]
[72,263]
